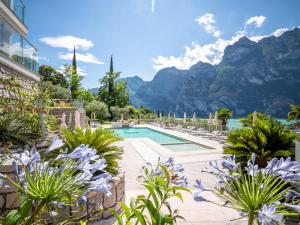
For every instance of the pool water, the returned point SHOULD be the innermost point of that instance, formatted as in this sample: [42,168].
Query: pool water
[169,141]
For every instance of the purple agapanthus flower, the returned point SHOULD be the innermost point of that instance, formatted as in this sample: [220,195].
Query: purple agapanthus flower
[180,180]
[28,159]
[86,165]
[167,161]
[268,216]
[100,184]
[294,207]
[230,163]
[220,185]
[284,168]
[178,168]
[82,152]
[56,144]
[251,169]
[82,200]
[199,186]
[198,196]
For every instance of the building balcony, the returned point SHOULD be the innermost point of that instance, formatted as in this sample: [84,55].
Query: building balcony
[17,7]
[17,48]
[13,11]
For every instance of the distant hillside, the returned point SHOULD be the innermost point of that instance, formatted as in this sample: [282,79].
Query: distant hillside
[262,76]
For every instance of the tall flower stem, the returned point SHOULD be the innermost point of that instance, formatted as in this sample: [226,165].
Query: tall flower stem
[35,212]
[251,218]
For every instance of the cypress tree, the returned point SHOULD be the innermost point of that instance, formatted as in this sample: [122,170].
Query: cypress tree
[75,80]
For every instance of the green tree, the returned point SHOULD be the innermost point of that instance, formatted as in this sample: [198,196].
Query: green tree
[99,108]
[224,114]
[54,91]
[48,73]
[112,91]
[294,114]
[85,95]
[266,138]
[75,79]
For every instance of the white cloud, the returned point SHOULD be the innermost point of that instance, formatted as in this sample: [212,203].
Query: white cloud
[211,53]
[67,42]
[207,21]
[258,21]
[81,71]
[87,58]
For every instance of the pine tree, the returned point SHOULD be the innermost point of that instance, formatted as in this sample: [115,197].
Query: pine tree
[75,79]
[112,91]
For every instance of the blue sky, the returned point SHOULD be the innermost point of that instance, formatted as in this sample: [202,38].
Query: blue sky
[147,35]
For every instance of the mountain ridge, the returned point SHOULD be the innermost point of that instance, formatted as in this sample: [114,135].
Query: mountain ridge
[260,76]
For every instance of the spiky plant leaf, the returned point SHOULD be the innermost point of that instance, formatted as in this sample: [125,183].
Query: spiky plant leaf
[100,139]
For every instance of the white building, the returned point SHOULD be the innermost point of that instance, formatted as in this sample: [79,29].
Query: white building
[18,57]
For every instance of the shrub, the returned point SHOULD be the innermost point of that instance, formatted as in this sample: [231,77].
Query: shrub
[18,129]
[262,195]
[99,139]
[248,121]
[99,108]
[117,112]
[162,183]
[266,138]
[54,91]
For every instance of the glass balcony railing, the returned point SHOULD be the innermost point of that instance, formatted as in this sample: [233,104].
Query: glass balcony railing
[17,7]
[17,48]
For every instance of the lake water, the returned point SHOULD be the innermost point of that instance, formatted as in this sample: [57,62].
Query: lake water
[235,123]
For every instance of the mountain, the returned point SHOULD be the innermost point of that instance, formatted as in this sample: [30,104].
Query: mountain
[262,76]
[133,84]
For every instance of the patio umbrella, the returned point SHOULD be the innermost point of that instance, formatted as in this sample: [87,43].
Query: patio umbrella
[122,117]
[169,117]
[160,116]
[194,117]
[254,117]
[174,116]
[210,118]
[216,120]
[184,117]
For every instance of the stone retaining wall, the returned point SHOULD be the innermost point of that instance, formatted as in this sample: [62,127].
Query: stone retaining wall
[9,74]
[9,199]
[70,115]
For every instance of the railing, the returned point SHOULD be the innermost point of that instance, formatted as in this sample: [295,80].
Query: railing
[17,48]
[17,7]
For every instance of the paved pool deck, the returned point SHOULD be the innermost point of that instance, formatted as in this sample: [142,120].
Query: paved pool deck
[138,151]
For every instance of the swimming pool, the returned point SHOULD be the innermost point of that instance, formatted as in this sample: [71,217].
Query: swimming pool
[171,142]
